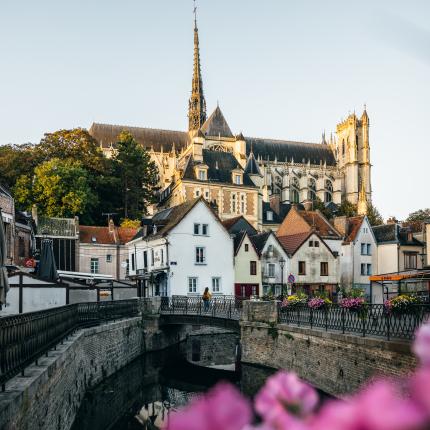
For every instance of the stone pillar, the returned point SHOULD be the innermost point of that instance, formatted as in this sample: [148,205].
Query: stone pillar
[263,312]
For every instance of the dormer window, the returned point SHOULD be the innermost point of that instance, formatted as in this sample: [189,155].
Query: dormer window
[269,215]
[238,179]
[201,172]
[202,175]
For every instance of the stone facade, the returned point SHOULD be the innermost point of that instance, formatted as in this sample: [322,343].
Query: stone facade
[335,363]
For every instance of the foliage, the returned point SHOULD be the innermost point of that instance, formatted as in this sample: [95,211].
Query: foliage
[138,174]
[319,302]
[287,403]
[318,204]
[419,215]
[60,188]
[347,209]
[130,223]
[295,299]
[373,215]
[404,303]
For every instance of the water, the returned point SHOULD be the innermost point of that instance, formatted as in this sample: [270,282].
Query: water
[140,396]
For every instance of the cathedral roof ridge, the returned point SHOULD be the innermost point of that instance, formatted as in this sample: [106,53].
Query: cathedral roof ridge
[103,124]
[284,141]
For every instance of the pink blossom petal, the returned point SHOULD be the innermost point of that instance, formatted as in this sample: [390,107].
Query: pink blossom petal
[421,345]
[222,408]
[420,389]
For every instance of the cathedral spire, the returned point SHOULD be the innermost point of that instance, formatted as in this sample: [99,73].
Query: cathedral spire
[197,103]
[362,201]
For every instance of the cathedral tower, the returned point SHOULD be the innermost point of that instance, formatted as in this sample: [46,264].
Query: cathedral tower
[197,103]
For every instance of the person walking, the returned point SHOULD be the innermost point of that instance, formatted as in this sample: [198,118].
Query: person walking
[206,299]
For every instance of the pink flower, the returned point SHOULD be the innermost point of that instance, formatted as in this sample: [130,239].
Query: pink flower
[420,389]
[285,400]
[223,408]
[379,407]
[421,345]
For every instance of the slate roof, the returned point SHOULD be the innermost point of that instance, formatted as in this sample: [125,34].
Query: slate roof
[354,224]
[107,135]
[259,240]
[220,165]
[251,167]
[216,125]
[239,224]
[285,150]
[237,240]
[102,236]
[393,233]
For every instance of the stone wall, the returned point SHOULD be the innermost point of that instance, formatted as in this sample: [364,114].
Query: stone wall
[332,362]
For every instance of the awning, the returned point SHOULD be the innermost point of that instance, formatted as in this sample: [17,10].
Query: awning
[418,274]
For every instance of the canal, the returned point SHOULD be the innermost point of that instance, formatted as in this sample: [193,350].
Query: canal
[139,396]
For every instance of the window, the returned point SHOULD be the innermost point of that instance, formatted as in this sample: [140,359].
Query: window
[312,189]
[21,247]
[192,285]
[133,261]
[271,270]
[254,290]
[145,259]
[152,257]
[216,285]
[207,195]
[302,268]
[233,203]
[294,190]
[109,258]
[197,193]
[200,255]
[410,260]
[242,204]
[202,175]
[324,268]
[314,244]
[162,255]
[94,265]
[237,179]
[252,267]
[369,269]
[204,229]
[196,228]
[270,248]
[363,269]
[269,215]
[363,249]
[369,249]
[311,244]
[328,194]
[246,247]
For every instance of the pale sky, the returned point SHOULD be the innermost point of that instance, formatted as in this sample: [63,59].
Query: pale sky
[280,68]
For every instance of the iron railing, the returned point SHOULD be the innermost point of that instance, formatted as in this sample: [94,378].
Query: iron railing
[227,307]
[26,337]
[372,320]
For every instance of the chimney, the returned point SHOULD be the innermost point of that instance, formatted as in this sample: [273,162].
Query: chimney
[275,203]
[308,205]
[111,226]
[340,223]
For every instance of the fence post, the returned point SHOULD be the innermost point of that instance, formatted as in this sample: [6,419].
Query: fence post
[343,320]
[311,317]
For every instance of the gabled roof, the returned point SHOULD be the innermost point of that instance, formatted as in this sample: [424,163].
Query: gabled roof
[317,221]
[251,167]
[354,224]
[216,125]
[259,240]
[239,224]
[107,135]
[285,150]
[220,166]
[292,243]
[104,236]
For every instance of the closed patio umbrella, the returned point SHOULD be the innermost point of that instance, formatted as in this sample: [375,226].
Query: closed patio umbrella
[4,283]
[47,268]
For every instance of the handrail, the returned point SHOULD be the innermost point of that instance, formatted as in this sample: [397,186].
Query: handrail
[26,337]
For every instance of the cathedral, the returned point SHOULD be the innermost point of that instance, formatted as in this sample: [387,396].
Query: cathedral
[250,176]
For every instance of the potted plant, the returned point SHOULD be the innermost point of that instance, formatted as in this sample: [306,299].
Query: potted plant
[402,304]
[295,300]
[354,301]
[319,303]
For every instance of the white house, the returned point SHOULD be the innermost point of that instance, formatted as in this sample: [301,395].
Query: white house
[359,255]
[181,251]
[312,262]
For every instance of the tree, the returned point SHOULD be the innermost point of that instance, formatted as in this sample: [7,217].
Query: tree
[319,205]
[59,188]
[373,215]
[347,209]
[138,174]
[419,215]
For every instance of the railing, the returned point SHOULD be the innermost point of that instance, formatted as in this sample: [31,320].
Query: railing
[372,320]
[226,307]
[26,337]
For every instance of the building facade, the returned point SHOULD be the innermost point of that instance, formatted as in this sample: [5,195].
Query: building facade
[239,173]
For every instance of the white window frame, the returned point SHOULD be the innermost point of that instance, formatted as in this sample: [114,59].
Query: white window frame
[108,258]
[193,285]
[238,179]
[271,273]
[269,215]
[200,256]
[202,175]
[216,288]
[94,265]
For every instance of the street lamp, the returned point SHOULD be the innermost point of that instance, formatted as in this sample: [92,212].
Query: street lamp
[282,264]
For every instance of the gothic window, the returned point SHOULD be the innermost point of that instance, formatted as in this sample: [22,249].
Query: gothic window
[294,190]
[312,189]
[343,147]
[328,195]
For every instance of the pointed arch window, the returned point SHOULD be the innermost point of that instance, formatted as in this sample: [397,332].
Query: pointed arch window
[328,194]
[294,190]
[312,189]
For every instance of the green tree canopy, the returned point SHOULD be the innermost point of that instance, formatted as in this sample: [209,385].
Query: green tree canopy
[347,208]
[59,188]
[138,174]
[373,215]
[419,215]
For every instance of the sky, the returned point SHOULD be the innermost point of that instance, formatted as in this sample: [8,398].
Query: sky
[286,69]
